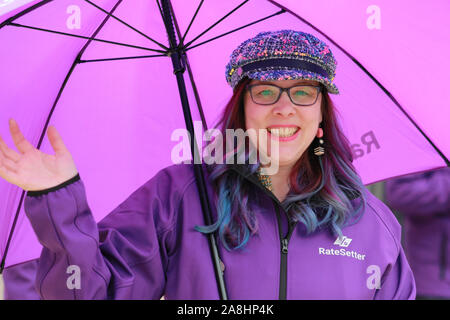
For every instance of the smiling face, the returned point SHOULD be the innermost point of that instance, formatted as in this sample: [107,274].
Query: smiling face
[293,126]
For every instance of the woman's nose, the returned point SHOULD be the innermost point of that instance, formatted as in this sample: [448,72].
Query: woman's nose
[284,106]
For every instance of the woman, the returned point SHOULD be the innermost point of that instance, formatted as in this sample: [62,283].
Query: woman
[309,231]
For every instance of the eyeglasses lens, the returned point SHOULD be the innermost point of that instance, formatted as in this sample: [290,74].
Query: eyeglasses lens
[267,94]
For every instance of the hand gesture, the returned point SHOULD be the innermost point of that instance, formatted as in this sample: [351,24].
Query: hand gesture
[31,169]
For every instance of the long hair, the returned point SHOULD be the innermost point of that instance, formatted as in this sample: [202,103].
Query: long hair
[322,188]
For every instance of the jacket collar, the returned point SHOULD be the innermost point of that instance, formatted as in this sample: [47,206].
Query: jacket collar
[242,169]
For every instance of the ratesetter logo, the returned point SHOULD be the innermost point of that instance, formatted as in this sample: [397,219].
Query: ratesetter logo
[342,242]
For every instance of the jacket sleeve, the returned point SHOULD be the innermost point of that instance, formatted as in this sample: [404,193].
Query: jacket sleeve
[420,194]
[19,281]
[398,281]
[123,257]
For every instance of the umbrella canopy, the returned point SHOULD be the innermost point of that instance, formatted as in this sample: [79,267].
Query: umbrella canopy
[100,72]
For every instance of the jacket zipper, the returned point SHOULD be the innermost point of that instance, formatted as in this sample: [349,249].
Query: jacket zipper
[283,240]
[284,254]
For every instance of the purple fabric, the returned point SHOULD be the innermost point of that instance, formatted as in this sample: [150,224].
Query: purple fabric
[20,281]
[117,117]
[424,201]
[147,248]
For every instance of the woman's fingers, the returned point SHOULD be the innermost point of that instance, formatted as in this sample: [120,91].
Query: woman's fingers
[56,141]
[8,169]
[8,152]
[21,143]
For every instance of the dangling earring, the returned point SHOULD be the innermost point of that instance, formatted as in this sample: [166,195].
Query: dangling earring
[265,180]
[320,150]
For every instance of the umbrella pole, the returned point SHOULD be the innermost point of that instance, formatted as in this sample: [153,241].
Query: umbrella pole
[178,67]
[2,287]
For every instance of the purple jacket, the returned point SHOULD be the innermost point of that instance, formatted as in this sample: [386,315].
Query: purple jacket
[424,201]
[147,247]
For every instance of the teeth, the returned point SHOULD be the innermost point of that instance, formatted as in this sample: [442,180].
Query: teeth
[283,132]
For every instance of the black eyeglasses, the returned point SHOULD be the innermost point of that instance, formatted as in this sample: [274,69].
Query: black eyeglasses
[300,95]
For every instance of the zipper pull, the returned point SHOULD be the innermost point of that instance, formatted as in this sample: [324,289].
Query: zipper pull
[284,245]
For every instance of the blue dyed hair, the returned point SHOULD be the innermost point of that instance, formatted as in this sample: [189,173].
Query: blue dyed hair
[322,188]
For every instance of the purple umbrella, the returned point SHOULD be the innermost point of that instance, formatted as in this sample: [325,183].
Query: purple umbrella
[102,72]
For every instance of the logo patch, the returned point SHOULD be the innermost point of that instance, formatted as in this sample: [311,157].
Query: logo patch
[343,242]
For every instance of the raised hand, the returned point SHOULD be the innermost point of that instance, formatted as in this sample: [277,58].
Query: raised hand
[31,169]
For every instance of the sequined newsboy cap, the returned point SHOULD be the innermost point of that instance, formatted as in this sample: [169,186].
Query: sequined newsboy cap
[283,55]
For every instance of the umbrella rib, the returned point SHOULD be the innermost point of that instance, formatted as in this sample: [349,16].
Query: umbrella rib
[126,24]
[16,216]
[371,76]
[401,109]
[190,23]
[83,37]
[11,231]
[216,23]
[160,10]
[24,12]
[234,30]
[122,58]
